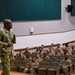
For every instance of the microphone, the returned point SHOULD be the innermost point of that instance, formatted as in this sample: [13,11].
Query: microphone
[14,38]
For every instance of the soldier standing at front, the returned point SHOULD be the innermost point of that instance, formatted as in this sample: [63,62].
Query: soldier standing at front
[7,39]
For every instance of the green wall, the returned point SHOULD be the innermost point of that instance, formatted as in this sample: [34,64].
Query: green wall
[29,10]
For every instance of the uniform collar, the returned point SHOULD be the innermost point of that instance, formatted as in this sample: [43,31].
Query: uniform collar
[6,30]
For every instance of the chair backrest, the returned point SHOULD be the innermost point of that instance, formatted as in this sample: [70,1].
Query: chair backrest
[23,63]
[42,71]
[17,63]
[54,64]
[45,64]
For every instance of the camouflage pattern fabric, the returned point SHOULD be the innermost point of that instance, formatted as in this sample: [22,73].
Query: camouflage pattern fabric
[6,52]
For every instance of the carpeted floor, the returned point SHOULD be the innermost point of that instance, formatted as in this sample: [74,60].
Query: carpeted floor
[15,73]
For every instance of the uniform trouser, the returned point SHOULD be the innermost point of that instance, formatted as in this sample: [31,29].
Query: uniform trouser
[64,71]
[30,70]
[7,63]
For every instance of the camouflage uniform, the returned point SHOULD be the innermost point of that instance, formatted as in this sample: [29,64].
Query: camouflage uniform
[50,54]
[53,51]
[31,67]
[69,49]
[61,51]
[27,54]
[65,64]
[46,57]
[58,53]
[6,52]
[39,59]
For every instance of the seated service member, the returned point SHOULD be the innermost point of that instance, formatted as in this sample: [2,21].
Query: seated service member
[49,52]
[38,58]
[27,53]
[45,56]
[32,66]
[41,50]
[7,39]
[65,65]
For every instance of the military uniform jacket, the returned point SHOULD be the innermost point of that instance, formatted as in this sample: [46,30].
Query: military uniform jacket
[5,38]
[66,63]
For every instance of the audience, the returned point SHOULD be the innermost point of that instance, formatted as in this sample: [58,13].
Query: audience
[41,54]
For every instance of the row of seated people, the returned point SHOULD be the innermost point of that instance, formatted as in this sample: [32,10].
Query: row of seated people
[51,51]
[41,53]
[34,64]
